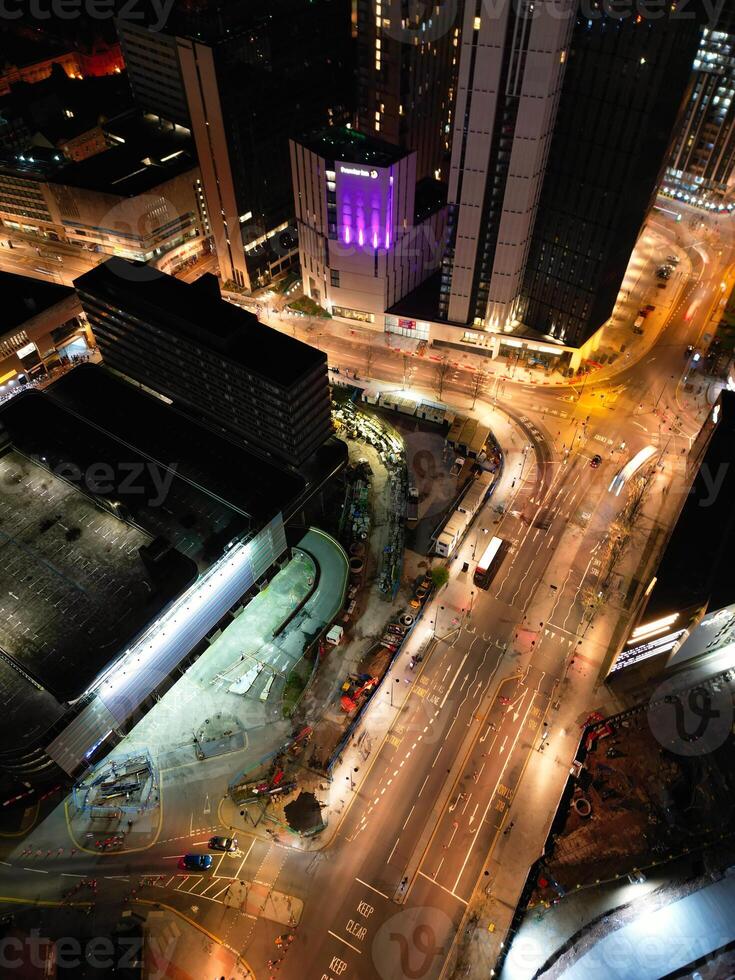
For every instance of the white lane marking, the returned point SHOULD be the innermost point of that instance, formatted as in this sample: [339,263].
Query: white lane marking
[408,817]
[344,941]
[492,795]
[443,701]
[443,888]
[382,894]
[393,850]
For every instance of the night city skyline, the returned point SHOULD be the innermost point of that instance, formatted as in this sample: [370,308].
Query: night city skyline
[367,440]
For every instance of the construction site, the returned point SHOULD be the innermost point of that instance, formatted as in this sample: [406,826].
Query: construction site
[636,805]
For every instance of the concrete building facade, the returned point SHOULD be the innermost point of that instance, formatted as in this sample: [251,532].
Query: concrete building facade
[210,358]
[510,76]
[406,77]
[702,162]
[236,74]
[147,207]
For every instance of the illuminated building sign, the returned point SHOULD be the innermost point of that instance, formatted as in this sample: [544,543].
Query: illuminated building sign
[359,172]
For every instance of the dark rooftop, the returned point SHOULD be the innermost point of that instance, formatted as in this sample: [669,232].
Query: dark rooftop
[431,196]
[74,588]
[185,309]
[422,303]
[24,298]
[697,567]
[227,480]
[15,49]
[142,157]
[351,146]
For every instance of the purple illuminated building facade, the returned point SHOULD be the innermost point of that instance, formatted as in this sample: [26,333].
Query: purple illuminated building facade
[364,205]
[368,234]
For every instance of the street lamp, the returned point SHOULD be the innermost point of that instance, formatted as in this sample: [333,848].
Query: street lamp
[523,461]
[474,546]
[398,681]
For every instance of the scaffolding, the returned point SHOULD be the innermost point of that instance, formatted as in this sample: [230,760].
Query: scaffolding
[117,786]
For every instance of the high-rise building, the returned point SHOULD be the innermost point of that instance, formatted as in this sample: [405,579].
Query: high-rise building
[211,358]
[408,56]
[245,77]
[561,128]
[623,88]
[152,61]
[510,74]
[368,234]
[702,161]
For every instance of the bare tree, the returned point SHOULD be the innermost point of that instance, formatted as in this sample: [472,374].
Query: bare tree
[442,369]
[479,383]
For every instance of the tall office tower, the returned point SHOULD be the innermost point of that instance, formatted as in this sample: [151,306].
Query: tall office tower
[702,161]
[152,61]
[250,75]
[213,360]
[510,74]
[624,84]
[407,69]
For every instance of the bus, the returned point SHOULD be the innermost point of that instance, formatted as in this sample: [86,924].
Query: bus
[630,468]
[490,562]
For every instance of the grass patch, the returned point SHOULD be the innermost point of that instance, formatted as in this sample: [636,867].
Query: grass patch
[304,304]
[230,286]
[295,684]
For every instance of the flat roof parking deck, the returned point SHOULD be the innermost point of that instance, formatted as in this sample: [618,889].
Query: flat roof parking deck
[72,585]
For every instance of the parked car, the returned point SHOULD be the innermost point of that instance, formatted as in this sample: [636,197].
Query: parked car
[228,844]
[595,461]
[195,862]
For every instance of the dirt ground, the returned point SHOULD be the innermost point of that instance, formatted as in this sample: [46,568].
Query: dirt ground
[647,805]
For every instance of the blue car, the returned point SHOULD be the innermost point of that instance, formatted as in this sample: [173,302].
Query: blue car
[195,862]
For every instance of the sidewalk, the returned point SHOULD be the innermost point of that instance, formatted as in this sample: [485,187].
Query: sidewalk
[650,251]
[176,947]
